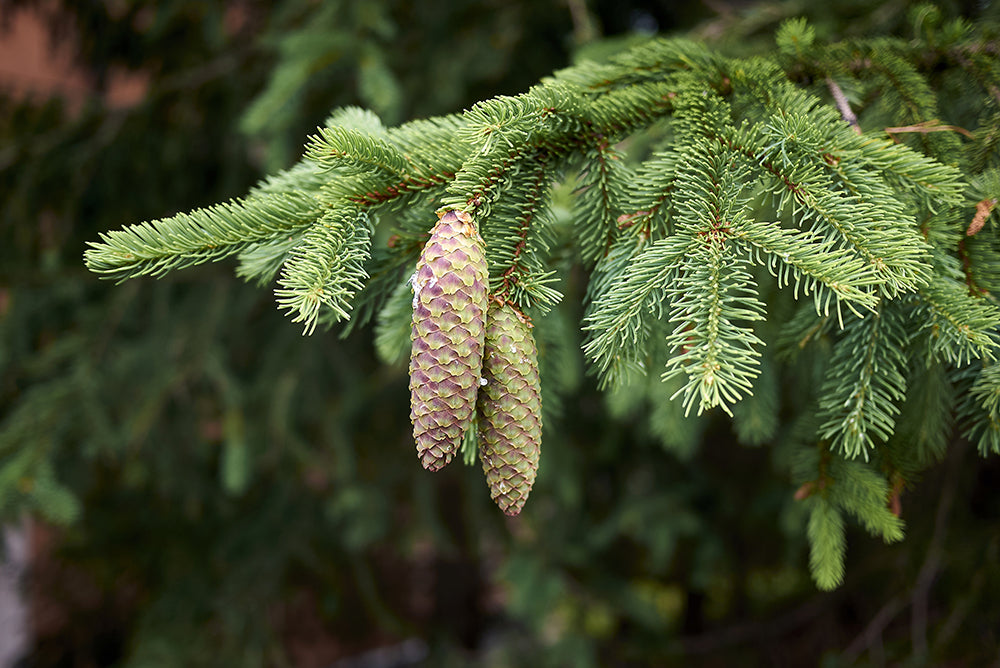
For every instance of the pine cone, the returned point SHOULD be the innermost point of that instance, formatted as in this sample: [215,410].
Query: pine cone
[510,408]
[449,302]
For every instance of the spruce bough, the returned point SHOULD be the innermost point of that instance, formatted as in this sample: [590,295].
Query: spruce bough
[803,215]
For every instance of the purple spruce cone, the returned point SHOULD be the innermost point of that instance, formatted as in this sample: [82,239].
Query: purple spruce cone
[449,304]
[510,408]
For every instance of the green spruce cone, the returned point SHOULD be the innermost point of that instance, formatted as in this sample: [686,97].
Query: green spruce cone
[510,408]
[449,304]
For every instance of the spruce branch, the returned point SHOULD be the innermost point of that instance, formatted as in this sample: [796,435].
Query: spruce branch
[981,411]
[960,327]
[756,418]
[431,150]
[644,63]
[261,262]
[160,246]
[434,147]
[648,200]
[860,491]
[805,327]
[549,118]
[827,542]
[633,108]
[714,297]
[595,209]
[813,263]
[352,151]
[884,65]
[709,344]
[618,321]
[936,185]
[393,326]
[520,226]
[925,420]
[833,487]
[500,134]
[303,177]
[857,218]
[326,268]
[865,382]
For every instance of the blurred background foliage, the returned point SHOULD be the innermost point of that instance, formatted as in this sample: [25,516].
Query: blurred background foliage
[208,487]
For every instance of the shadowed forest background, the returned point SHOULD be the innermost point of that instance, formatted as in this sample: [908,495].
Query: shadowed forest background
[204,486]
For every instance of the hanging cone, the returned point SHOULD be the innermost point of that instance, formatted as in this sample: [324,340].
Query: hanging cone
[449,302]
[510,408]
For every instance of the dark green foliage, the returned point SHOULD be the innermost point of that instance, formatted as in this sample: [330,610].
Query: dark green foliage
[693,220]
[758,174]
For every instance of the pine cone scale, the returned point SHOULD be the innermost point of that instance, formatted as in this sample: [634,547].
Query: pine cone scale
[449,304]
[510,416]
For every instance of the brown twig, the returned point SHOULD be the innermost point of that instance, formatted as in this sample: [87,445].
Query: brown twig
[925,127]
[843,105]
